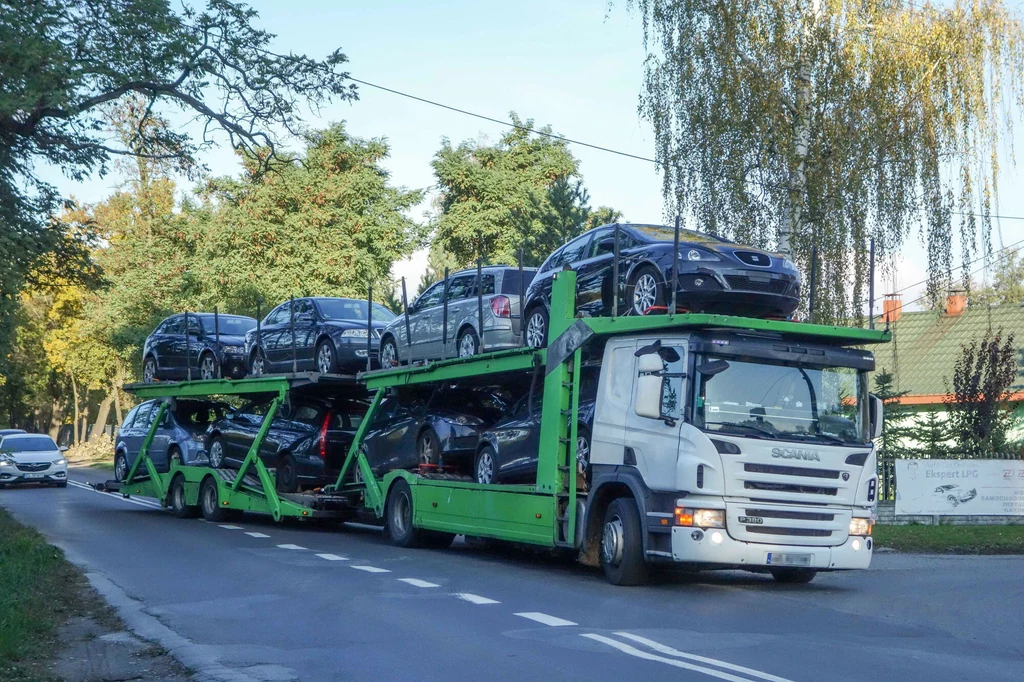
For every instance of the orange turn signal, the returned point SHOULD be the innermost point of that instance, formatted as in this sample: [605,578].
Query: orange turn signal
[684,517]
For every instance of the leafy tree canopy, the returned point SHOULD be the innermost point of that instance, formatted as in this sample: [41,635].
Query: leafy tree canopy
[980,414]
[824,122]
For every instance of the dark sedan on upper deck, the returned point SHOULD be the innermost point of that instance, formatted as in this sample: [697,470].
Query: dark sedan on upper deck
[715,276]
[211,341]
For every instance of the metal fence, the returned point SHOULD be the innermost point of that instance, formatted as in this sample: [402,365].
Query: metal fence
[887,471]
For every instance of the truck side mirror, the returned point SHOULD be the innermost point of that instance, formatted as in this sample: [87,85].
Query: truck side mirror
[649,386]
[877,415]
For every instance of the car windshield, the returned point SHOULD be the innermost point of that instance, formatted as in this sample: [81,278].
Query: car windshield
[350,309]
[16,444]
[661,233]
[808,404]
[228,325]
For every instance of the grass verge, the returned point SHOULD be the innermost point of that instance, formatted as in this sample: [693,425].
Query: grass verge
[39,591]
[952,539]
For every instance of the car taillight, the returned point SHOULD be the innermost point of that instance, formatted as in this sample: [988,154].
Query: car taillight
[323,435]
[501,306]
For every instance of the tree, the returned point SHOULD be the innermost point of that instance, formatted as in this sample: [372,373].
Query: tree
[438,260]
[1007,286]
[980,413]
[523,192]
[821,123]
[68,60]
[933,435]
[895,417]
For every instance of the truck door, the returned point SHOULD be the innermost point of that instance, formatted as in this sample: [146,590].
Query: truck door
[655,441]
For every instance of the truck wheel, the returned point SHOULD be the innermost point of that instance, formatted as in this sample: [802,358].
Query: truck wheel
[209,501]
[399,517]
[177,495]
[622,546]
[793,576]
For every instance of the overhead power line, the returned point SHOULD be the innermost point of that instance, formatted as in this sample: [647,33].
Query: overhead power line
[967,265]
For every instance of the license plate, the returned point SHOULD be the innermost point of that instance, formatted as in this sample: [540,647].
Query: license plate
[34,475]
[751,520]
[780,559]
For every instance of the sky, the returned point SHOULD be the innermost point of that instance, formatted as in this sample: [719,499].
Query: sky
[574,64]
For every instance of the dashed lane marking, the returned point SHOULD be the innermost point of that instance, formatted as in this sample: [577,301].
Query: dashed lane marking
[258,535]
[141,503]
[228,526]
[545,619]
[291,547]
[669,651]
[416,582]
[332,557]
[475,598]
[371,569]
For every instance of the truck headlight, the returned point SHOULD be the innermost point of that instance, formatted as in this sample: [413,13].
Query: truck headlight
[701,518]
[860,526]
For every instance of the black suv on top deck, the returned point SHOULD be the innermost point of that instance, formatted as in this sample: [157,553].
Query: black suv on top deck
[330,337]
[715,276]
[166,350]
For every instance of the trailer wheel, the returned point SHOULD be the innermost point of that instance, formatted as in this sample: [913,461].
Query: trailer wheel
[399,517]
[209,501]
[177,495]
[622,546]
[793,576]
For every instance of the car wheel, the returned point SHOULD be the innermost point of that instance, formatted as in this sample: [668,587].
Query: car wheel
[622,548]
[287,475]
[400,515]
[484,467]
[645,291]
[428,448]
[389,353]
[583,451]
[216,452]
[207,366]
[537,328]
[177,499]
[149,369]
[257,364]
[120,467]
[326,361]
[953,501]
[209,501]
[174,455]
[793,576]
[468,344]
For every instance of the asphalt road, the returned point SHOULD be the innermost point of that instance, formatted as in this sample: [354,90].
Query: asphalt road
[256,600]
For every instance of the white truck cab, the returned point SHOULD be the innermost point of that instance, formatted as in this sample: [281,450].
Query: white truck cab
[740,449]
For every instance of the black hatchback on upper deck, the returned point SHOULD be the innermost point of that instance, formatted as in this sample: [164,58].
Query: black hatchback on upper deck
[178,348]
[715,276]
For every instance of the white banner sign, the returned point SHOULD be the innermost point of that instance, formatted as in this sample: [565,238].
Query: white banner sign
[960,486]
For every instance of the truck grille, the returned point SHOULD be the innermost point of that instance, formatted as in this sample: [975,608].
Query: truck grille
[35,466]
[792,532]
[789,514]
[769,523]
[789,488]
[790,471]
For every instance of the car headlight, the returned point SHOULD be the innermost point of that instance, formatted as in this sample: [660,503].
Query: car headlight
[696,254]
[701,518]
[354,333]
[788,265]
[860,526]
[234,350]
[4,462]
[60,462]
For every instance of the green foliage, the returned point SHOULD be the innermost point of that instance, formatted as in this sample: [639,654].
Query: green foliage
[933,435]
[437,261]
[798,124]
[895,417]
[1007,286]
[980,414]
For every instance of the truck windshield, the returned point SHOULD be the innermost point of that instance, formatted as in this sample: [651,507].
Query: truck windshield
[810,404]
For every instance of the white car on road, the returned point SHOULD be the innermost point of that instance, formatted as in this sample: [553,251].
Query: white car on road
[32,458]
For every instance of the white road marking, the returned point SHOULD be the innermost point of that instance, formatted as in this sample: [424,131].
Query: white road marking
[545,619]
[228,526]
[141,503]
[258,535]
[332,557]
[416,582]
[476,598]
[669,651]
[633,651]
[371,569]
[291,547]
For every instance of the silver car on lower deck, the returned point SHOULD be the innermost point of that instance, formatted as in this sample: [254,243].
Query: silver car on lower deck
[502,330]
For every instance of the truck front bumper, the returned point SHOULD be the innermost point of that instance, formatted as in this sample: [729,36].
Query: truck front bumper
[713,546]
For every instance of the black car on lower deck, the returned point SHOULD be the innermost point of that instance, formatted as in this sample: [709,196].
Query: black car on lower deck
[325,335]
[211,341]
[431,425]
[308,439]
[715,276]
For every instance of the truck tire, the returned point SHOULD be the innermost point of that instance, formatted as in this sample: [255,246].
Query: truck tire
[209,501]
[622,544]
[399,516]
[793,576]
[177,500]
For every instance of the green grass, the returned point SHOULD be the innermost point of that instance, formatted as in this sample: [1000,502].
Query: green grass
[952,539]
[39,591]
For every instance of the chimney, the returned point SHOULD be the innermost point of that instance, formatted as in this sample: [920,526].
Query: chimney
[892,307]
[956,303]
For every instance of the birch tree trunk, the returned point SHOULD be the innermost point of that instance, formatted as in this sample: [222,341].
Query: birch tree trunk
[102,416]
